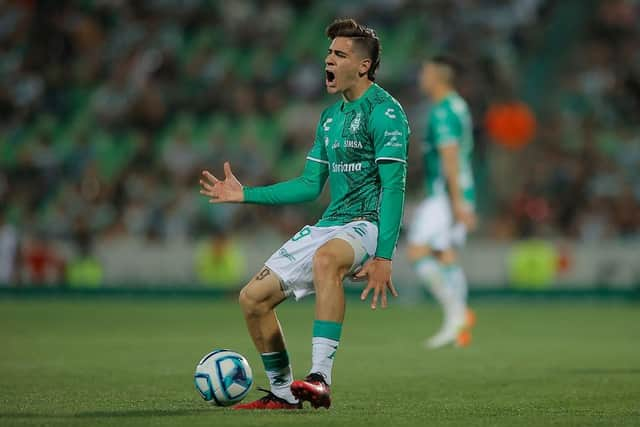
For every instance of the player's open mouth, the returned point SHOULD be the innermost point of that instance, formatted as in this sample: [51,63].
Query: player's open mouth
[330,77]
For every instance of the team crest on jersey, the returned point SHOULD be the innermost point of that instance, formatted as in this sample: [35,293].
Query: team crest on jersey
[355,123]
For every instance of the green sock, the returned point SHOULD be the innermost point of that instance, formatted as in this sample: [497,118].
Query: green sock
[279,373]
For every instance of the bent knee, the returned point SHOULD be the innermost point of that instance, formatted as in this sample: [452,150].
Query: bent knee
[244,299]
[447,257]
[325,261]
[252,304]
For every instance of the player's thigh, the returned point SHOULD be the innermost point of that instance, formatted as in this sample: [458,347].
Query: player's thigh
[445,256]
[264,290]
[336,255]
[417,251]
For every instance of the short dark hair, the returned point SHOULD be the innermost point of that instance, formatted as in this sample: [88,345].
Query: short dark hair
[450,62]
[363,37]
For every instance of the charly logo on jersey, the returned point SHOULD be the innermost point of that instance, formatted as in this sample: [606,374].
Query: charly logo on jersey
[326,124]
[346,167]
[355,123]
[391,113]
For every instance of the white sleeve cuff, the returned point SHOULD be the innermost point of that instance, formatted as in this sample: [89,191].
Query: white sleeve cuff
[392,159]
[317,160]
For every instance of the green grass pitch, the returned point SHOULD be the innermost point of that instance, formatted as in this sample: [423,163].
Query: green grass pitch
[118,362]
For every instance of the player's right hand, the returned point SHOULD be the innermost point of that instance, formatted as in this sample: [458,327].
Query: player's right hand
[227,190]
[464,215]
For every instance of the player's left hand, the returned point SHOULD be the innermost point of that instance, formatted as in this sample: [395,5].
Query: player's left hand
[378,273]
[221,191]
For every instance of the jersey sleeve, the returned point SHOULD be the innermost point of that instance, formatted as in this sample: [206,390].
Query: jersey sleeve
[318,152]
[304,188]
[445,127]
[390,132]
[393,176]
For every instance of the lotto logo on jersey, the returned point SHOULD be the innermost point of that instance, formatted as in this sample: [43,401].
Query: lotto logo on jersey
[346,167]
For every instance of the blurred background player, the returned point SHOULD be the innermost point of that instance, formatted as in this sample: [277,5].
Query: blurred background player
[361,148]
[442,220]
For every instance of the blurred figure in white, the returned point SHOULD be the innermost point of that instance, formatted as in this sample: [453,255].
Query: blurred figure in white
[442,220]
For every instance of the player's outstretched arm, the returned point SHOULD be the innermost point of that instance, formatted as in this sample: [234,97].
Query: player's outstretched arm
[222,191]
[303,188]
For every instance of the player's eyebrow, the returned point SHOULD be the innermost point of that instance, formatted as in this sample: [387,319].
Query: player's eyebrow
[339,53]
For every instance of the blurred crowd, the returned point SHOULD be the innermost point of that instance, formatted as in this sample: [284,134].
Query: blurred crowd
[109,110]
[579,177]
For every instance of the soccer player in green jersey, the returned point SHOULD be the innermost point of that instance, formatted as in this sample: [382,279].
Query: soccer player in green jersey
[442,220]
[360,146]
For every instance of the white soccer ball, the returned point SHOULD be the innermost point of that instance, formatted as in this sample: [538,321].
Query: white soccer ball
[223,377]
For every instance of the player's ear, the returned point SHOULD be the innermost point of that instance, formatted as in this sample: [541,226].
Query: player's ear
[364,67]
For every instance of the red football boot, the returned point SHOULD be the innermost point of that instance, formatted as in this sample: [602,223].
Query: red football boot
[313,389]
[270,401]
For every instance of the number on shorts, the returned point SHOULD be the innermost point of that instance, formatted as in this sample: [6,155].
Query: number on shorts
[302,233]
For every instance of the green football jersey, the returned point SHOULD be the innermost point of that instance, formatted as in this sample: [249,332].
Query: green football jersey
[449,122]
[350,139]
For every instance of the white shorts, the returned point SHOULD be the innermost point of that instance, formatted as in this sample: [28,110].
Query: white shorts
[433,225]
[293,262]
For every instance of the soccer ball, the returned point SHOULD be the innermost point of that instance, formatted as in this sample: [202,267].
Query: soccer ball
[223,377]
